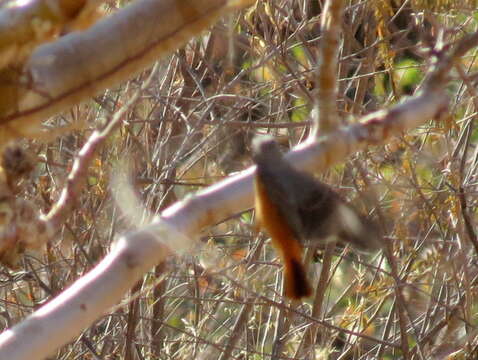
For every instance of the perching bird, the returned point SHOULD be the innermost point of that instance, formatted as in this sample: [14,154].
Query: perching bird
[293,207]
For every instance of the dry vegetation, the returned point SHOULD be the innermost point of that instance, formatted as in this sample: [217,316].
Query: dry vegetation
[254,73]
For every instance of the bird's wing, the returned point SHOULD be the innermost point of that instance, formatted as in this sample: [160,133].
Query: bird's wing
[283,197]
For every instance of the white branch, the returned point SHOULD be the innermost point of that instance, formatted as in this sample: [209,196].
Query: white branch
[78,306]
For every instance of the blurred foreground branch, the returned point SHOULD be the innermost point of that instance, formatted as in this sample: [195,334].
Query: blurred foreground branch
[81,64]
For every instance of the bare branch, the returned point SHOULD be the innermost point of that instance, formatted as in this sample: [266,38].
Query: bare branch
[81,64]
[25,25]
[327,118]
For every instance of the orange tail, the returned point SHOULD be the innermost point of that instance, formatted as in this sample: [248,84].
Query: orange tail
[295,280]
[284,241]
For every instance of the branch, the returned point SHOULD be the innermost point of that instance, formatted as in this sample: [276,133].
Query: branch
[60,212]
[79,65]
[25,25]
[331,24]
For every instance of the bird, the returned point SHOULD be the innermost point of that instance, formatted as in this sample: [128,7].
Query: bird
[294,207]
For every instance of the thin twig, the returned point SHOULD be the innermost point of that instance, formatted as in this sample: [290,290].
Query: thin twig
[79,171]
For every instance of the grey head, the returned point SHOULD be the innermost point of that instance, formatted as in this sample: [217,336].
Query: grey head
[265,149]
